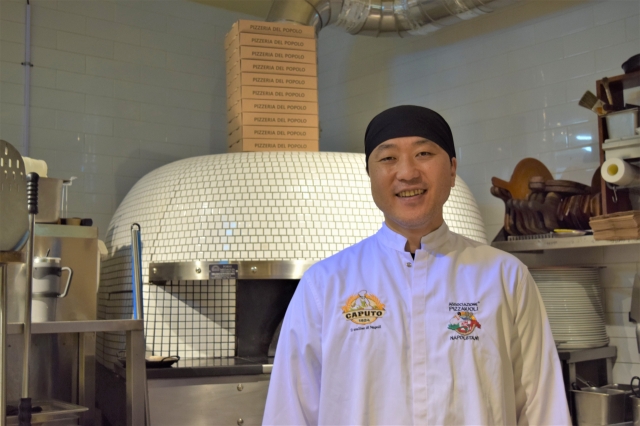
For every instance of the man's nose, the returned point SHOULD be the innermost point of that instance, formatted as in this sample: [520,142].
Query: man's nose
[407,170]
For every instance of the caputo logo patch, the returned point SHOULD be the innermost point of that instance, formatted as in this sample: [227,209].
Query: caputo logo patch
[363,308]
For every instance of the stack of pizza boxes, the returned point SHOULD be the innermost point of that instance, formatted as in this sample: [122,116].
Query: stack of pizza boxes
[272,87]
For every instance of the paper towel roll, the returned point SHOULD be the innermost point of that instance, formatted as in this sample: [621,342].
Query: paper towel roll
[33,165]
[619,172]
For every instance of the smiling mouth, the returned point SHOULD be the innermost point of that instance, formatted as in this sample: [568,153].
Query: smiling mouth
[411,193]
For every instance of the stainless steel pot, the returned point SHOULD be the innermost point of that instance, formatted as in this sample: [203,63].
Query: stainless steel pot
[601,406]
[49,200]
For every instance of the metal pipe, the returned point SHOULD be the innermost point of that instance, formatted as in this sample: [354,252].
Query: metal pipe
[26,137]
[382,17]
[27,309]
[3,344]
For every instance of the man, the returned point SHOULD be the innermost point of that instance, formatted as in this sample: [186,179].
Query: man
[453,332]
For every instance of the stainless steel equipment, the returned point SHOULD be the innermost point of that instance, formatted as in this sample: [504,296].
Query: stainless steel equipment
[602,405]
[634,314]
[50,194]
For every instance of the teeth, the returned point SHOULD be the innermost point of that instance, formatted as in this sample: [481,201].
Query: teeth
[411,193]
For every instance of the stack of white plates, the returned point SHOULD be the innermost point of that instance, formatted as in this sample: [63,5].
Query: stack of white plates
[573,300]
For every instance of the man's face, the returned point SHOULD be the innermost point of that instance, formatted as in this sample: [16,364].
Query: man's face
[411,178]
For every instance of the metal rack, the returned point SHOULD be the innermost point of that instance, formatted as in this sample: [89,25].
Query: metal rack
[135,369]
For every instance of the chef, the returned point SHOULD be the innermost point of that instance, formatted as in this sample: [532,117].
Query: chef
[451,331]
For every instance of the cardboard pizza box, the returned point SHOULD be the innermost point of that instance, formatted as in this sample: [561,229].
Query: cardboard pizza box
[273,80]
[232,56]
[274,93]
[271,106]
[275,132]
[272,119]
[270,28]
[271,67]
[275,42]
[252,145]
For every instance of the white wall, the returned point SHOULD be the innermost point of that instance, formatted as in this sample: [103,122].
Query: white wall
[119,88]
[509,91]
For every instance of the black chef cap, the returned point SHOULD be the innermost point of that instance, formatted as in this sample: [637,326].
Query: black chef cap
[408,120]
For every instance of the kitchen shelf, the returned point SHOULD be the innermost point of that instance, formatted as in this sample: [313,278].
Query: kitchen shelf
[541,244]
[52,410]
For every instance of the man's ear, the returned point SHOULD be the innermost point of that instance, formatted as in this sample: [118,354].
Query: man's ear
[454,167]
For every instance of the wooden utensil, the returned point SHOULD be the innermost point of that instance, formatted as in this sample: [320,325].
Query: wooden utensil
[518,185]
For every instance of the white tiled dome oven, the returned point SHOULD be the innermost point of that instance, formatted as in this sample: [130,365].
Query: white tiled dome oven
[271,212]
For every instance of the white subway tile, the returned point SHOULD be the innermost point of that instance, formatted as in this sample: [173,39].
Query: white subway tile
[12,93]
[108,30]
[11,114]
[98,183]
[12,133]
[43,77]
[116,70]
[632,26]
[141,166]
[70,121]
[191,136]
[84,83]
[565,115]
[11,72]
[12,11]
[139,130]
[190,28]
[139,55]
[94,9]
[140,18]
[612,57]
[623,371]
[59,140]
[166,152]
[195,65]
[111,107]
[12,31]
[98,125]
[565,69]
[617,299]
[43,118]
[605,12]
[627,350]
[189,100]
[44,37]
[575,20]
[81,162]
[594,38]
[57,99]
[57,20]
[12,52]
[114,147]
[139,92]
[56,59]
[583,134]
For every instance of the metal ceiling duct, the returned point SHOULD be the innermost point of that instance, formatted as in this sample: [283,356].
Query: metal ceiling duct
[382,17]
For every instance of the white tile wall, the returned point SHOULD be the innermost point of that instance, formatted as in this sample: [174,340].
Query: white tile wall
[118,89]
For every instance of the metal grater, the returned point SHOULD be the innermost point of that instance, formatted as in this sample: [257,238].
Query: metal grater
[14,224]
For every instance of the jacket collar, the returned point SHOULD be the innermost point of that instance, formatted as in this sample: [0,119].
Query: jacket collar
[431,242]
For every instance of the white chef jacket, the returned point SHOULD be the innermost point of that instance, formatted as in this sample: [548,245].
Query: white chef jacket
[458,336]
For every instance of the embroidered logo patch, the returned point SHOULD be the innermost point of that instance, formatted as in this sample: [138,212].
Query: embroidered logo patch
[363,308]
[464,322]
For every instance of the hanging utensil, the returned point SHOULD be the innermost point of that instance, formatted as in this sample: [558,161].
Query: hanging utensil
[635,389]
[24,410]
[138,311]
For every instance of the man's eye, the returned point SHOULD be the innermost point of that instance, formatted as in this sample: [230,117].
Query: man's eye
[386,159]
[424,154]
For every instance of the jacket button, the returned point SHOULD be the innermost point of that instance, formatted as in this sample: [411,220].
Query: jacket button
[408,264]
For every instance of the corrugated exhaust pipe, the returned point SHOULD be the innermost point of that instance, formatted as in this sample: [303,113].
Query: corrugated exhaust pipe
[382,17]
